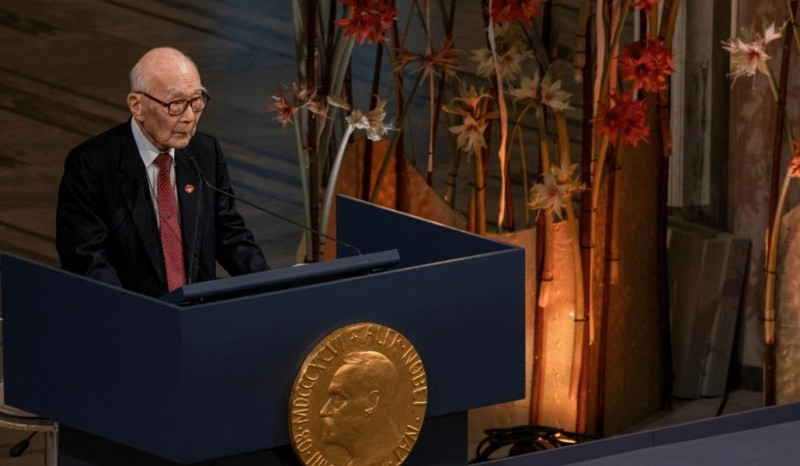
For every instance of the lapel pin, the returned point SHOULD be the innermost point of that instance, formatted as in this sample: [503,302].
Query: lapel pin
[188,189]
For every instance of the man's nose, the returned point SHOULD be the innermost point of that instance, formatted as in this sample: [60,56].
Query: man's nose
[189,115]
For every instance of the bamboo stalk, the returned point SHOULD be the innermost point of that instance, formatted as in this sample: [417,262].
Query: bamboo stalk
[600,154]
[298,14]
[401,198]
[609,58]
[769,296]
[580,312]
[517,130]
[472,203]
[501,103]
[791,7]
[431,96]
[581,34]
[580,317]
[366,176]
[544,144]
[775,209]
[524,168]
[480,194]
[563,139]
[605,303]
[544,254]
[586,226]
[612,256]
[780,119]
[302,163]
[554,21]
[537,45]
[311,134]
[440,94]
[452,176]
[544,274]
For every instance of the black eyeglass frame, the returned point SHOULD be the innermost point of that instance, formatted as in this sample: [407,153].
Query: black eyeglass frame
[203,97]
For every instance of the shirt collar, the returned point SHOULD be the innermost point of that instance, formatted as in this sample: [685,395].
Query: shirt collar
[147,150]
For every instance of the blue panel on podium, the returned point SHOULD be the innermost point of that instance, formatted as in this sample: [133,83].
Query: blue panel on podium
[212,380]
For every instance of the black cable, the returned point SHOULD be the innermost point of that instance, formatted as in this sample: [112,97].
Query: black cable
[525,439]
[19,448]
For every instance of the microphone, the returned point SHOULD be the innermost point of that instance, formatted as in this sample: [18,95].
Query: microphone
[266,211]
[195,259]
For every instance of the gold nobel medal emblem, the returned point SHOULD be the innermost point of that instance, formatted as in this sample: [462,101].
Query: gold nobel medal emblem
[359,399]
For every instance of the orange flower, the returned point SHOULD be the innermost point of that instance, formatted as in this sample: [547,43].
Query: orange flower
[646,64]
[509,11]
[644,4]
[623,120]
[794,165]
[368,20]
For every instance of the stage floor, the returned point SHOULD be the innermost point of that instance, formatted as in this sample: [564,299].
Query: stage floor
[683,411]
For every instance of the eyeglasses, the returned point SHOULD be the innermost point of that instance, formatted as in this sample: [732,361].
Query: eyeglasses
[177,107]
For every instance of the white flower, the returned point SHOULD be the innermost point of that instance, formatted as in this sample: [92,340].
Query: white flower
[528,88]
[470,134]
[749,57]
[553,96]
[485,63]
[555,189]
[548,195]
[509,62]
[371,122]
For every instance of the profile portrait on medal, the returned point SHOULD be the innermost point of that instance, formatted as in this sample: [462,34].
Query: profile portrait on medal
[357,414]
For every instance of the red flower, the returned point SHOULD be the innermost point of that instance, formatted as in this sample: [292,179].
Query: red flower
[794,165]
[368,20]
[280,105]
[625,119]
[302,97]
[644,4]
[647,64]
[508,11]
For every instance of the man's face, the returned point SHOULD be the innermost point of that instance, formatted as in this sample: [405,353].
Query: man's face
[344,411]
[162,129]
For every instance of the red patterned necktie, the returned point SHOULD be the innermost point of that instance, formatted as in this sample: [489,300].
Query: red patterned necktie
[171,240]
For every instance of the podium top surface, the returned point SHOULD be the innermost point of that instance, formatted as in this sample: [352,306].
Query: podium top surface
[271,280]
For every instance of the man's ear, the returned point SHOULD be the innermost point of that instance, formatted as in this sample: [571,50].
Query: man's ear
[135,106]
[372,402]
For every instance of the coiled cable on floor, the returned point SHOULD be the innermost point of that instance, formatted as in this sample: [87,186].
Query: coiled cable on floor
[525,439]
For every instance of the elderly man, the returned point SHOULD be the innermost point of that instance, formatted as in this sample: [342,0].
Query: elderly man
[132,208]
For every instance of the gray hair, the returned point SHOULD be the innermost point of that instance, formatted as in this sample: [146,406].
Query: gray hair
[138,81]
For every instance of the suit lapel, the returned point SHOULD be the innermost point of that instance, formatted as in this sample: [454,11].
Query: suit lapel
[190,191]
[135,190]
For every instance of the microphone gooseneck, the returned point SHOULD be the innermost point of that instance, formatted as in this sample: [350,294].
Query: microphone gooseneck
[266,211]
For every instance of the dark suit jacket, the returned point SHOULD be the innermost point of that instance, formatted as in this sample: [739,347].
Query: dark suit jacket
[106,226]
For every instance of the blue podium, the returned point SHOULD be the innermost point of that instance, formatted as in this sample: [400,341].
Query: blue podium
[203,375]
